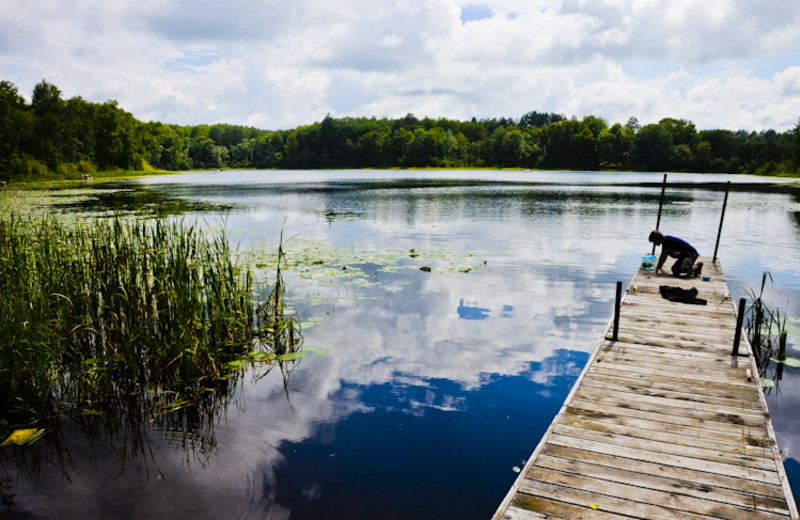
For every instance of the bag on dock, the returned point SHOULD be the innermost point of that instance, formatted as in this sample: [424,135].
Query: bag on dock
[676,294]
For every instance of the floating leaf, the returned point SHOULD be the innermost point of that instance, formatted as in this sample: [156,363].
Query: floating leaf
[594,506]
[310,322]
[425,269]
[24,436]
[791,362]
[257,355]
[290,356]
[236,363]
[315,350]
[516,469]
[767,383]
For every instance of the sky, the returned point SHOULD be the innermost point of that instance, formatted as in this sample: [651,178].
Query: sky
[279,64]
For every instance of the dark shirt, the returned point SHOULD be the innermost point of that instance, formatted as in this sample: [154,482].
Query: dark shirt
[676,246]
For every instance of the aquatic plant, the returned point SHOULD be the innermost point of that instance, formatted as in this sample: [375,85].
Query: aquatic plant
[759,318]
[767,331]
[117,314]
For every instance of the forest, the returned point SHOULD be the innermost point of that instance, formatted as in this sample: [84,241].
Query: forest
[51,137]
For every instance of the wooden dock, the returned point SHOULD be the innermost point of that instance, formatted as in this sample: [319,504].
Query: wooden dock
[662,423]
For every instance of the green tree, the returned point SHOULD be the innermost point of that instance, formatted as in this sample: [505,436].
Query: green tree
[570,144]
[15,125]
[48,130]
[119,139]
[652,149]
[614,147]
[539,120]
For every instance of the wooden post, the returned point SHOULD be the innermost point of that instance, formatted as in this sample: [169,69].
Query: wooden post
[739,322]
[721,219]
[615,335]
[660,205]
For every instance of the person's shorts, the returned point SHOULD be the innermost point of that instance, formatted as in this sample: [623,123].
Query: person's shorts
[683,264]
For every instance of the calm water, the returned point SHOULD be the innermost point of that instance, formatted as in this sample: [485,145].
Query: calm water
[435,382]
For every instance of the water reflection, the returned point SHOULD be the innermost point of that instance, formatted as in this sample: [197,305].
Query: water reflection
[126,450]
[435,383]
[431,430]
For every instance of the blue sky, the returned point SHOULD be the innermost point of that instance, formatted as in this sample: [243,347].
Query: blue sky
[276,64]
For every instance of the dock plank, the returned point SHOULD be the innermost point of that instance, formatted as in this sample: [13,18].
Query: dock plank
[662,422]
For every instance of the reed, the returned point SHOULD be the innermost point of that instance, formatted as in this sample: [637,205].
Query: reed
[94,314]
[766,330]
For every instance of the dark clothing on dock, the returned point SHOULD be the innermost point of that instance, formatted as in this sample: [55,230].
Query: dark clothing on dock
[676,294]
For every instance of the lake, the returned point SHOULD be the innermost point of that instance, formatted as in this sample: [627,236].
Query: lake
[447,315]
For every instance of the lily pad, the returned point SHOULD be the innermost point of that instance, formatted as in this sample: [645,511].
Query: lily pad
[310,322]
[767,383]
[516,469]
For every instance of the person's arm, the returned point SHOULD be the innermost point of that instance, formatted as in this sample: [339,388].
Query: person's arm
[662,259]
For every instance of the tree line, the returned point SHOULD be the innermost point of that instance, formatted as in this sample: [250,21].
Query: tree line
[56,137]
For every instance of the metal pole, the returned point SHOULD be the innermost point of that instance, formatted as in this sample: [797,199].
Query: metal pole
[615,335]
[660,205]
[739,321]
[721,219]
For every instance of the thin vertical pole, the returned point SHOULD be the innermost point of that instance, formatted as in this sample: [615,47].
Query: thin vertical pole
[739,321]
[615,335]
[721,219]
[660,205]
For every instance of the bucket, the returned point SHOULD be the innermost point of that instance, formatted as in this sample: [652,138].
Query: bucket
[648,262]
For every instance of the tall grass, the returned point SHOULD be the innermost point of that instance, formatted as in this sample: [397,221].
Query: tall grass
[113,314]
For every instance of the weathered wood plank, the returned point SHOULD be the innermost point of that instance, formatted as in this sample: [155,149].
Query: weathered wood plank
[552,508]
[666,447]
[698,352]
[693,481]
[687,367]
[719,377]
[699,396]
[666,459]
[664,483]
[678,405]
[598,373]
[706,420]
[650,430]
[699,430]
[515,513]
[646,497]
[605,503]
[624,374]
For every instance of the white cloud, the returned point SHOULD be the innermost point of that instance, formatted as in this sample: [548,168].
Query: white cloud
[281,64]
